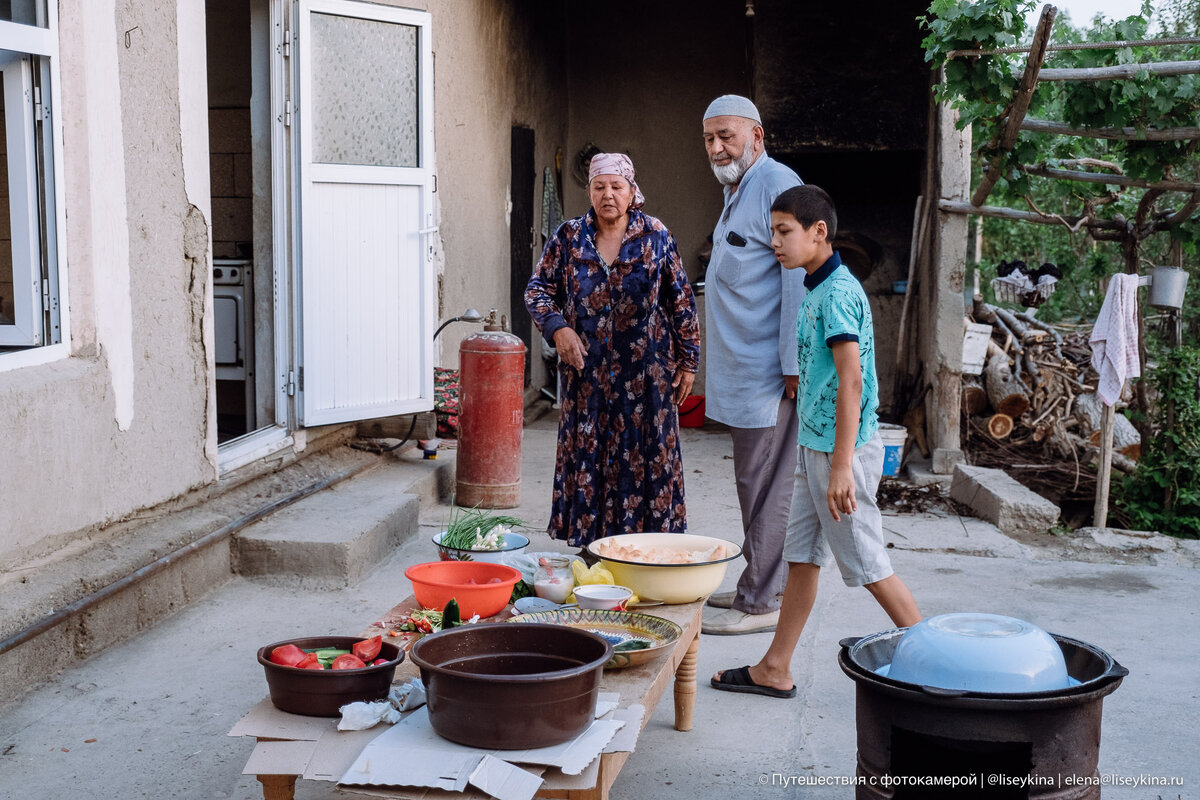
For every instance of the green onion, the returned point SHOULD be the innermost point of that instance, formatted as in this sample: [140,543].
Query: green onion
[467,524]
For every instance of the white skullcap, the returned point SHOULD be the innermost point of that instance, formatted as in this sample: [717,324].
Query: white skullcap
[733,105]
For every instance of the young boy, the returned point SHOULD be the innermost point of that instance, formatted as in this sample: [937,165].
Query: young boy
[840,458]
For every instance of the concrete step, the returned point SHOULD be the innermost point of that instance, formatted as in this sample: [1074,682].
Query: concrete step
[113,584]
[997,497]
[919,472]
[331,539]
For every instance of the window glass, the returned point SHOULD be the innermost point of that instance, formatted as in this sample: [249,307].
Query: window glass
[364,92]
[26,12]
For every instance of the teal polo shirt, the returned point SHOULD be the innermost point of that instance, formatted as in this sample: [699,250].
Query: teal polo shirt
[834,310]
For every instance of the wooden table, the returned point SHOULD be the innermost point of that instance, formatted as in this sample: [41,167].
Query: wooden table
[644,684]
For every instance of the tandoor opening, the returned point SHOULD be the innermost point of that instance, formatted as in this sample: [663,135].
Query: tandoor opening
[996,768]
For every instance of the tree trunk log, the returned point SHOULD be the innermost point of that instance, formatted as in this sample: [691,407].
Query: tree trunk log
[1000,426]
[974,399]
[1004,390]
[1126,439]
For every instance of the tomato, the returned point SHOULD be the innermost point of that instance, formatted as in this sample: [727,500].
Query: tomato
[310,662]
[288,655]
[367,649]
[348,661]
[378,661]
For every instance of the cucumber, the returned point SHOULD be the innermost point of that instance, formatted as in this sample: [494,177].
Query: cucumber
[326,655]
[451,615]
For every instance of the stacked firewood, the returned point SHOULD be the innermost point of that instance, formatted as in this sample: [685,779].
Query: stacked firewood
[1034,406]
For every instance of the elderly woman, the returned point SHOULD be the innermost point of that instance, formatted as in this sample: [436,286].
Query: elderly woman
[611,294]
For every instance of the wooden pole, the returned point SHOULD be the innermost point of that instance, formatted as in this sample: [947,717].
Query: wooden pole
[1109,179]
[1022,96]
[1104,477]
[1121,71]
[1127,134]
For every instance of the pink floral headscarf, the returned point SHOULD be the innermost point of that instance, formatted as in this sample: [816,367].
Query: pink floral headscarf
[616,164]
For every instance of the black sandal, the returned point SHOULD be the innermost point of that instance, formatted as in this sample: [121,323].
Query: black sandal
[739,680]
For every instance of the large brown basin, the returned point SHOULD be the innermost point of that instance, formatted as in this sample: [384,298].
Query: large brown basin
[511,687]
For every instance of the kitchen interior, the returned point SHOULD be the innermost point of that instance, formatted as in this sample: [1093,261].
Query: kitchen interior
[240,173]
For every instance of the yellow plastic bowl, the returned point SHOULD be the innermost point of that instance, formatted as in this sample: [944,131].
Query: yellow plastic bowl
[670,583]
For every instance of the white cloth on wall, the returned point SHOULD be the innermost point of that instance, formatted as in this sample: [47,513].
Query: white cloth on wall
[1114,338]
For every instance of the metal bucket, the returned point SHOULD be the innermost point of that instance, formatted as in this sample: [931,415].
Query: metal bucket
[915,741]
[1167,288]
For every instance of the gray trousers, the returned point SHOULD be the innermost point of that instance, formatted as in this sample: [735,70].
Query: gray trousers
[764,466]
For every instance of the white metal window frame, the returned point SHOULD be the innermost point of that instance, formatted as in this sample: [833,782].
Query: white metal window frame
[18,43]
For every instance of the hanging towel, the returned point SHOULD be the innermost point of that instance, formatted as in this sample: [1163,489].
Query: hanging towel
[1114,338]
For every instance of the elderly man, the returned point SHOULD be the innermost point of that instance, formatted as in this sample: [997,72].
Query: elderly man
[750,318]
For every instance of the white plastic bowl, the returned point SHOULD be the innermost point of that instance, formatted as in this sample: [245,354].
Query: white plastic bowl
[670,583]
[513,543]
[602,596]
[980,653]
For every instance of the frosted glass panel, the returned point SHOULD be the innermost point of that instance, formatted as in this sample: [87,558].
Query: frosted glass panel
[27,12]
[364,92]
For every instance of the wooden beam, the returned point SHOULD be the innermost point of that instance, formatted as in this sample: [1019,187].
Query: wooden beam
[959,207]
[1020,103]
[1128,134]
[1099,226]
[1109,179]
[1056,48]
[1121,71]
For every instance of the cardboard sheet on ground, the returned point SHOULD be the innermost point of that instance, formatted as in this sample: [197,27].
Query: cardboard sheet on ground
[412,754]
[268,722]
[313,748]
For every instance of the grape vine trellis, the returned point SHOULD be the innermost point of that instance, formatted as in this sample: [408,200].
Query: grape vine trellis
[1121,129]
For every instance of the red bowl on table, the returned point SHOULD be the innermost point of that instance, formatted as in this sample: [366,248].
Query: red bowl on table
[479,587]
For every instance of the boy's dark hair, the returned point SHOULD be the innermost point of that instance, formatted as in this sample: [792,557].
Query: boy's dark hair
[808,203]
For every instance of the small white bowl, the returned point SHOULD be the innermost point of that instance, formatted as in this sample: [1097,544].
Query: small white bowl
[602,596]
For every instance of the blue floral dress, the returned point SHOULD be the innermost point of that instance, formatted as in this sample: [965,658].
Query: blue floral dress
[618,467]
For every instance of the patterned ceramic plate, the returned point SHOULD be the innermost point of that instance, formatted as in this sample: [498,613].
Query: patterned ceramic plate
[652,635]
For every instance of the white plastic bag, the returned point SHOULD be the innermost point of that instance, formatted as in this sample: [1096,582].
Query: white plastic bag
[362,715]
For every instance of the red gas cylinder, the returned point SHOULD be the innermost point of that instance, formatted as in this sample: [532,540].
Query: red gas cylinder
[490,418]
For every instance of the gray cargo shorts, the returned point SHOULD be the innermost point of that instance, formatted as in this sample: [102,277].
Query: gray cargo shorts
[857,540]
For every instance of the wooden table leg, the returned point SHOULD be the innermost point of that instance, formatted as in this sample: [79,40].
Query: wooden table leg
[685,687]
[278,787]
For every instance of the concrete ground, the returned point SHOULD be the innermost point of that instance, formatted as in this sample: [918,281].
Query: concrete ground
[148,718]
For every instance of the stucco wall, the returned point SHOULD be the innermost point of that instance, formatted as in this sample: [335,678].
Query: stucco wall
[121,424]
[644,92]
[496,64]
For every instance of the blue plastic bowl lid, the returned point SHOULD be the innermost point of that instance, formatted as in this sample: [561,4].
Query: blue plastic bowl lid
[981,653]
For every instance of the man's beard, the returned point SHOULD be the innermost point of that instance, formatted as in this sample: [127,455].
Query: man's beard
[732,173]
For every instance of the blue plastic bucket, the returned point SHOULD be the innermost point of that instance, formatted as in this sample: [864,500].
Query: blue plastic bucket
[893,438]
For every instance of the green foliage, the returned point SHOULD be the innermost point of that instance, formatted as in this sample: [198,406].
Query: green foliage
[1163,494]
[981,87]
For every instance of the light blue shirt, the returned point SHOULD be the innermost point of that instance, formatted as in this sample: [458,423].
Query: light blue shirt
[750,305]
[835,310]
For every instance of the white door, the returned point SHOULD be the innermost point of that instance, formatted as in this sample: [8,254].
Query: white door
[365,122]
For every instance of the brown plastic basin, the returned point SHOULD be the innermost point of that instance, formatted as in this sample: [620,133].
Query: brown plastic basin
[320,693]
[511,687]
